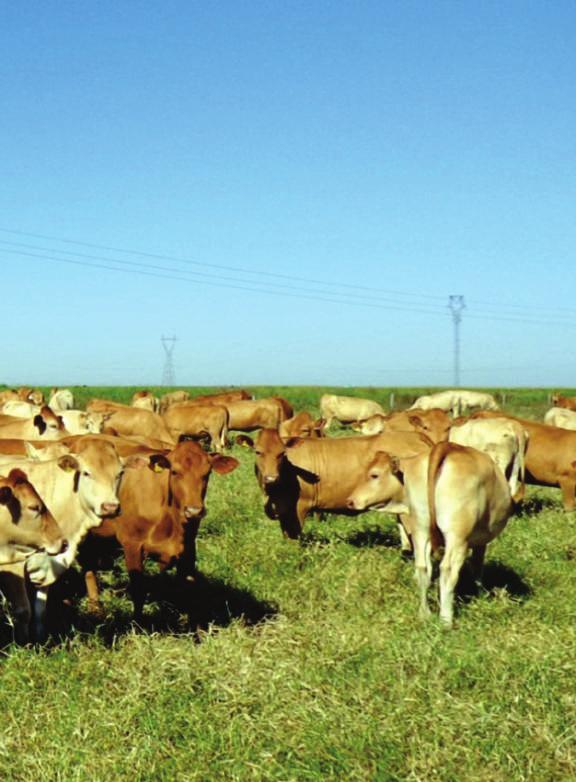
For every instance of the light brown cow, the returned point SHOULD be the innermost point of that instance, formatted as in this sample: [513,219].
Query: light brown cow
[171,398]
[23,394]
[199,420]
[304,475]
[223,396]
[562,417]
[161,512]
[128,421]
[347,409]
[503,439]
[247,415]
[301,425]
[456,497]
[80,490]
[434,423]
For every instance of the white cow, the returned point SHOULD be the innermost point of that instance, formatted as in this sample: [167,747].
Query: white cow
[347,409]
[503,439]
[562,417]
[61,399]
[456,401]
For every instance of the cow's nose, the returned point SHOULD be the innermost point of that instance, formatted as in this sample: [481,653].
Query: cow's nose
[190,511]
[269,479]
[109,508]
[350,503]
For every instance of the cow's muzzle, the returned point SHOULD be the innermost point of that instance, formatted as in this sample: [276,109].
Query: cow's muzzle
[193,511]
[109,509]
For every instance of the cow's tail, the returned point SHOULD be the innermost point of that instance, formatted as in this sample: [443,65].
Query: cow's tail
[437,456]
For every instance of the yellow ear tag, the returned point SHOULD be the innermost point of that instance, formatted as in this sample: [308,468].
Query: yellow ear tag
[157,467]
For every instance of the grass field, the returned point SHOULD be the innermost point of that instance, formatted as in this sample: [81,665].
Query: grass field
[305,661]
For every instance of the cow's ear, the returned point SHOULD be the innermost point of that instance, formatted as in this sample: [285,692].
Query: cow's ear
[223,464]
[395,465]
[135,462]
[294,442]
[5,495]
[245,441]
[17,476]
[60,421]
[39,423]
[158,462]
[68,463]
[415,420]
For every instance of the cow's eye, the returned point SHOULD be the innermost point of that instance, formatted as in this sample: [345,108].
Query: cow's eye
[259,453]
[86,473]
[374,475]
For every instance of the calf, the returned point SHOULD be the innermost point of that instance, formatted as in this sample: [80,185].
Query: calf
[161,511]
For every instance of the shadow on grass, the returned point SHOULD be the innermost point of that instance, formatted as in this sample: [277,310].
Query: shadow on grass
[171,607]
[536,503]
[360,538]
[496,576]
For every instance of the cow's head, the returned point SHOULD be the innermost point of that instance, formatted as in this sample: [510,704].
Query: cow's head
[435,424]
[382,487]
[189,468]
[97,472]
[49,425]
[29,513]
[270,450]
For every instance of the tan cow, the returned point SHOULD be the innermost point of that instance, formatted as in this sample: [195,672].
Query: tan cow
[304,475]
[568,402]
[198,421]
[246,415]
[503,439]
[563,417]
[171,398]
[23,394]
[456,497]
[145,400]
[456,401]
[45,424]
[434,423]
[128,421]
[301,425]
[347,409]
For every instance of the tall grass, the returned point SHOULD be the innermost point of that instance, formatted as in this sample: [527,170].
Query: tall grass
[305,660]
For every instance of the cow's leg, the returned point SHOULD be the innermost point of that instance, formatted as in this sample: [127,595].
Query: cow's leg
[450,566]
[134,563]
[477,563]
[186,564]
[405,530]
[14,589]
[422,569]
[290,521]
[568,485]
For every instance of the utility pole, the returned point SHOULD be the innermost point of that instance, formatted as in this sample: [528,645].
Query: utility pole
[168,376]
[456,304]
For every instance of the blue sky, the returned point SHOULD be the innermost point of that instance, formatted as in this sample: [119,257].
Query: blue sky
[293,189]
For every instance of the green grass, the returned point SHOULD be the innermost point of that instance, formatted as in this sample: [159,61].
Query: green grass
[305,661]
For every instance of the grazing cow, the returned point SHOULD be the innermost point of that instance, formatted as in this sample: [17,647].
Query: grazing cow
[146,400]
[222,397]
[347,409]
[172,397]
[562,417]
[129,421]
[304,475]
[198,421]
[434,423]
[550,456]
[456,497]
[301,425]
[456,401]
[247,415]
[45,424]
[80,490]
[61,399]
[503,439]
[161,512]
[568,402]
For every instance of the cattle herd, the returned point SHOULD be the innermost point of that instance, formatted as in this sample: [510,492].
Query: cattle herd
[452,467]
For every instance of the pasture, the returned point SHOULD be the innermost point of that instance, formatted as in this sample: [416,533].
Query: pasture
[305,661]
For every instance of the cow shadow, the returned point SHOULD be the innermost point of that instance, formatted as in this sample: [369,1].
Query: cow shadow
[369,537]
[495,577]
[172,608]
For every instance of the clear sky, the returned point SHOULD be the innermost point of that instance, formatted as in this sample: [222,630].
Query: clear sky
[292,188]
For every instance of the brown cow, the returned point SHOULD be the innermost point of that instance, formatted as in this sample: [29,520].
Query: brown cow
[23,394]
[145,400]
[199,420]
[301,425]
[248,415]
[172,397]
[434,423]
[304,475]
[223,396]
[129,421]
[161,512]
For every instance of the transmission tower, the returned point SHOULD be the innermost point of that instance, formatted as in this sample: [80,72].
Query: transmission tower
[168,376]
[456,304]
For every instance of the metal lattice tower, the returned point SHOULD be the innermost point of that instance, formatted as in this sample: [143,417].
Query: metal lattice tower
[168,375]
[456,304]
